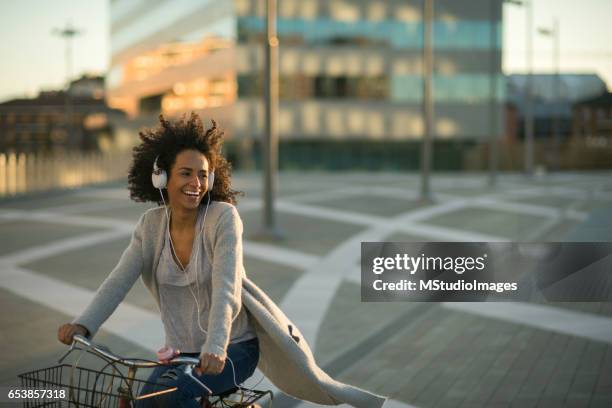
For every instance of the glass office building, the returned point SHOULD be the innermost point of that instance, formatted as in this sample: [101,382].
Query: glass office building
[349,69]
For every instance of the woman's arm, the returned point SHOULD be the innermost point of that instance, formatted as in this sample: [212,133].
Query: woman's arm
[226,282]
[114,288]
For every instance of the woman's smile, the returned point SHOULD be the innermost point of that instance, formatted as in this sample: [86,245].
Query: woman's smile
[193,194]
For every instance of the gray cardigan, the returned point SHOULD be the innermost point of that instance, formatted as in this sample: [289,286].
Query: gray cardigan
[285,358]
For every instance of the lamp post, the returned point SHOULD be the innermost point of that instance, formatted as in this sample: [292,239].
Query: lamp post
[528,121]
[426,148]
[553,33]
[269,230]
[68,33]
[493,114]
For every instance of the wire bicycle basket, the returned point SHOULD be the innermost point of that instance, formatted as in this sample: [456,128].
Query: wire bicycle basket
[86,388]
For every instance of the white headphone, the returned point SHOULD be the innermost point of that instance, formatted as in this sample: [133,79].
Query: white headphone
[159,177]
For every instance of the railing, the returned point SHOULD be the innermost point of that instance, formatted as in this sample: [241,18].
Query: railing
[24,173]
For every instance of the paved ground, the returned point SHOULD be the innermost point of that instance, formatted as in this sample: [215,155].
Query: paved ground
[56,249]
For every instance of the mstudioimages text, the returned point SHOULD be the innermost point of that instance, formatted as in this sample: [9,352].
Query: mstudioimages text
[412,264]
[440,285]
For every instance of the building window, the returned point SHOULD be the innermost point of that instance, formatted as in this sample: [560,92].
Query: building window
[393,33]
[343,10]
[297,87]
[461,88]
[151,104]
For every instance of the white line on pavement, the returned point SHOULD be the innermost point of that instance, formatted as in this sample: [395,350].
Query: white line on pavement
[282,256]
[80,220]
[529,209]
[559,320]
[80,207]
[424,213]
[544,191]
[331,214]
[43,251]
[325,195]
[447,234]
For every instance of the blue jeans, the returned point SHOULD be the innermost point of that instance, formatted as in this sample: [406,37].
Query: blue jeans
[244,355]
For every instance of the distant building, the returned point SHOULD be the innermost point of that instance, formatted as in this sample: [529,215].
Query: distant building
[349,69]
[41,124]
[592,120]
[553,98]
[88,86]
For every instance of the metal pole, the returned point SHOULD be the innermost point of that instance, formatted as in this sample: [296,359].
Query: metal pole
[529,92]
[68,33]
[68,99]
[269,230]
[557,97]
[426,148]
[493,148]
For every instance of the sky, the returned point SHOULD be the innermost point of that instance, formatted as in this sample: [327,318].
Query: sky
[585,37]
[34,59]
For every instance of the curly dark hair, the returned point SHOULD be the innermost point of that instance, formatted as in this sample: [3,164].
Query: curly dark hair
[166,142]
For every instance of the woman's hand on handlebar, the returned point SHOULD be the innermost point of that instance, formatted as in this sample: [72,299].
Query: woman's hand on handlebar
[210,364]
[67,331]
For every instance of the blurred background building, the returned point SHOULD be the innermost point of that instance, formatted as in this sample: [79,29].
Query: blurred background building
[554,98]
[351,90]
[75,119]
[592,120]
[350,75]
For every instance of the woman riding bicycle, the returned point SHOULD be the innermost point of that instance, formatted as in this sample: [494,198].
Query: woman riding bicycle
[188,253]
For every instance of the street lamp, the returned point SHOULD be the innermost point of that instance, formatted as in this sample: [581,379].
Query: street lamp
[553,33]
[68,33]
[528,86]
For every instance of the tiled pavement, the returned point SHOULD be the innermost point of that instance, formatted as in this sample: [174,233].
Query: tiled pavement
[422,355]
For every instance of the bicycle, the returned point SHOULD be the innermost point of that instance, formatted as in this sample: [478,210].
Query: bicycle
[96,388]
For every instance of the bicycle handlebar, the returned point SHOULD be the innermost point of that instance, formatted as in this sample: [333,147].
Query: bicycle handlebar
[104,352]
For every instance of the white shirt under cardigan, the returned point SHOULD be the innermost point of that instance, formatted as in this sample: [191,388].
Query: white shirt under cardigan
[178,291]
[284,355]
